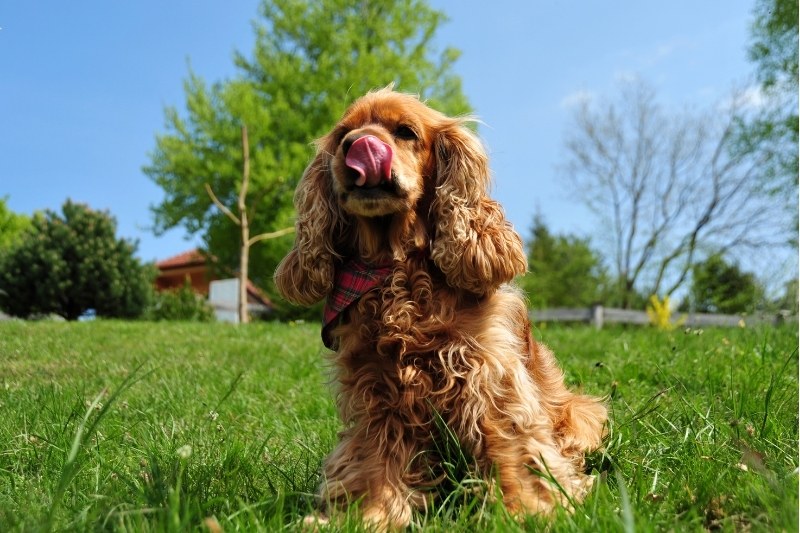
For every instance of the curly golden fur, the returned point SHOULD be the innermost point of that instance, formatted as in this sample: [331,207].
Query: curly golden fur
[444,333]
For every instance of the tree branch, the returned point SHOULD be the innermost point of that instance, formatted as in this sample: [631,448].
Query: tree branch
[667,187]
[270,235]
[221,206]
[245,174]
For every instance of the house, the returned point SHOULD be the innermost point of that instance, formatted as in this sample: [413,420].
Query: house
[173,272]
[194,266]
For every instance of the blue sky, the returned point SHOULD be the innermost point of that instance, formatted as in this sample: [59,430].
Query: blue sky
[83,87]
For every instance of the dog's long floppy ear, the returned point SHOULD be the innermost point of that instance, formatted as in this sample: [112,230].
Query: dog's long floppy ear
[474,245]
[305,276]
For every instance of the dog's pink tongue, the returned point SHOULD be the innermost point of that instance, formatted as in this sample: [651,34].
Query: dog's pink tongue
[372,159]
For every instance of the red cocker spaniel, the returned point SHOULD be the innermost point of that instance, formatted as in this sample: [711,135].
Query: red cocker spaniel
[396,230]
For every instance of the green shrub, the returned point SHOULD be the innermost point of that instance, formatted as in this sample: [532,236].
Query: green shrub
[70,263]
[563,270]
[180,304]
[722,287]
[12,225]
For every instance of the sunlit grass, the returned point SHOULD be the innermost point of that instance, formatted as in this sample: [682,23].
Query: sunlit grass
[173,427]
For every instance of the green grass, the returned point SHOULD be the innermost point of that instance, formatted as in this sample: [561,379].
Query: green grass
[173,427]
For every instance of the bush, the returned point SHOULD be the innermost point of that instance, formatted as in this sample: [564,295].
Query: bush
[12,225]
[69,264]
[722,287]
[180,304]
[563,270]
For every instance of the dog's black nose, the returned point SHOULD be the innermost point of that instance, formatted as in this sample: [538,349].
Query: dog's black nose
[348,142]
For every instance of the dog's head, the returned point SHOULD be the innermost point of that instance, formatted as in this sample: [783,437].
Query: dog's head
[393,177]
[382,154]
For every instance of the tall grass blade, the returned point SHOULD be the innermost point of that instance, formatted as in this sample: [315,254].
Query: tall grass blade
[627,511]
[771,389]
[82,434]
[230,390]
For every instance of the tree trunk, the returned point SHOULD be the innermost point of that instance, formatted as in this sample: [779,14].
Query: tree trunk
[244,255]
[244,226]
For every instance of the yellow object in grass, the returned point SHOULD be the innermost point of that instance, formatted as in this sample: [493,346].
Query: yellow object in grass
[660,314]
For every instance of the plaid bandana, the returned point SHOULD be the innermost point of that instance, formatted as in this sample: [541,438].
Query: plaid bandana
[353,280]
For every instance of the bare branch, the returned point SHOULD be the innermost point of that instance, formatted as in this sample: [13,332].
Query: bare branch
[221,206]
[245,173]
[244,251]
[271,235]
[667,185]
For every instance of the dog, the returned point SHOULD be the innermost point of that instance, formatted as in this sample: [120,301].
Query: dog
[396,231]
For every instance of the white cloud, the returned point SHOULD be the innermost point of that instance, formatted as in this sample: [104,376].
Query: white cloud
[750,98]
[576,98]
[625,76]
[666,49]
[651,55]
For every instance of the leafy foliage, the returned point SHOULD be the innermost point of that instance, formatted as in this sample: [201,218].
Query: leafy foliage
[775,39]
[180,304]
[563,270]
[12,225]
[70,263]
[789,300]
[772,128]
[620,292]
[721,287]
[311,59]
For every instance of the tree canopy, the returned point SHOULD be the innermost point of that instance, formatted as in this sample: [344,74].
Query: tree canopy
[12,225]
[772,127]
[69,263]
[563,270]
[722,287]
[311,59]
[775,41]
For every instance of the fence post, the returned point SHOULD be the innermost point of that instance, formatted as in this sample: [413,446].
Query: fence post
[597,316]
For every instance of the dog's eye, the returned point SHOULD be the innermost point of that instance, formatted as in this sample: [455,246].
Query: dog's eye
[405,133]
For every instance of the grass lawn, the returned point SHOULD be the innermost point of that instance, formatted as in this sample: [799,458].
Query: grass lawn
[169,427]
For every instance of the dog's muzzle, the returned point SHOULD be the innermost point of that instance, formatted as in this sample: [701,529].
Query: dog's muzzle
[371,158]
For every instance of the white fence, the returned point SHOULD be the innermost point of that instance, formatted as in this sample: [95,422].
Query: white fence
[598,316]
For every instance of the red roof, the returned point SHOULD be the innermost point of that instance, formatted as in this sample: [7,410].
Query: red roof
[190,258]
[258,294]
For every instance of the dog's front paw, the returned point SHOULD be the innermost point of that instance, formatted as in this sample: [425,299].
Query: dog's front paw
[392,515]
[314,522]
[583,424]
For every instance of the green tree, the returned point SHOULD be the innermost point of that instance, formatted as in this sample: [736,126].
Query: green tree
[311,59]
[772,128]
[12,225]
[775,41]
[789,300]
[721,287]
[70,263]
[563,271]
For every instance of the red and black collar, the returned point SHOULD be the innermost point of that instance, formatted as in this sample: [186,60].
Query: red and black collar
[354,279]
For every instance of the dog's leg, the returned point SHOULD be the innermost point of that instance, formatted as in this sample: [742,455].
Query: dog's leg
[534,476]
[578,420]
[516,407]
[503,422]
[368,466]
